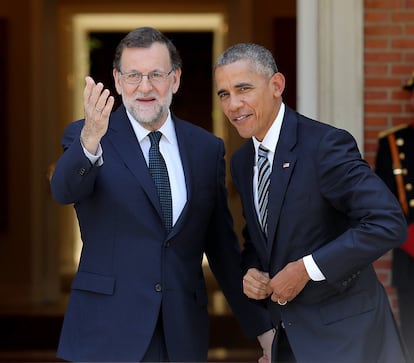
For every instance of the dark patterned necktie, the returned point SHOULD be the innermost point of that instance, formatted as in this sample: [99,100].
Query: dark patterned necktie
[159,173]
[263,182]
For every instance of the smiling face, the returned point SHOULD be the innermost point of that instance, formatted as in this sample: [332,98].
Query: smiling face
[249,99]
[148,102]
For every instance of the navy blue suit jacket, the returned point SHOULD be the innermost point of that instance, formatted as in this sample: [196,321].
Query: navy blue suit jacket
[325,200]
[129,268]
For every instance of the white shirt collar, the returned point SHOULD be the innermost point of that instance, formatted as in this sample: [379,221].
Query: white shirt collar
[272,136]
[167,129]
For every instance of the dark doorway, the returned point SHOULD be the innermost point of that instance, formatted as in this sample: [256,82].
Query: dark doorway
[193,101]
[4,157]
[284,45]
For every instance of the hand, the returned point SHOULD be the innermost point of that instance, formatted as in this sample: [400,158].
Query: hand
[255,284]
[264,359]
[289,282]
[266,341]
[98,106]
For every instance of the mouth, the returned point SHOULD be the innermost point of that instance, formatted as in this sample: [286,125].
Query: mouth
[241,118]
[146,99]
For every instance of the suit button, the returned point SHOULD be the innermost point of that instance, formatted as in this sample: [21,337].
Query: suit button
[158,287]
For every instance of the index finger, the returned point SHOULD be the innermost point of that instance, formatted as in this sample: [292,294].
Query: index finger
[90,83]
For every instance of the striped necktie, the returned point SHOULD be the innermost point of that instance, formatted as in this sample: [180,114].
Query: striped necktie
[159,173]
[263,182]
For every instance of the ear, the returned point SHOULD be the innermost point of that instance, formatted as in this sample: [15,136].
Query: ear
[176,80]
[278,83]
[117,81]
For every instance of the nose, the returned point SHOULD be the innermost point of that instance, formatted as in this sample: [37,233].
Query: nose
[234,102]
[145,84]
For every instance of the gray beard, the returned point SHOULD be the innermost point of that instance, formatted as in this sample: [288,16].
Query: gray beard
[154,119]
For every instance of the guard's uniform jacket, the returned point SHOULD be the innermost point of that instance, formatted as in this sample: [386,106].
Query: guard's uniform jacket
[386,168]
[395,165]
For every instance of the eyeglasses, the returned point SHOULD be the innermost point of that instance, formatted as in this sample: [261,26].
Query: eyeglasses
[155,77]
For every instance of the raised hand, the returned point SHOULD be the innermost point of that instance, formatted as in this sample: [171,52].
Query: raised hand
[98,104]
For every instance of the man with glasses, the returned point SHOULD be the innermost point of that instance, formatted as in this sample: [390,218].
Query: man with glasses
[149,192]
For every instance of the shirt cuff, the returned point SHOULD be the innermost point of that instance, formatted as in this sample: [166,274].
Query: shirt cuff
[97,158]
[312,269]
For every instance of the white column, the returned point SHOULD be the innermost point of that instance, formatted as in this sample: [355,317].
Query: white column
[330,63]
[307,58]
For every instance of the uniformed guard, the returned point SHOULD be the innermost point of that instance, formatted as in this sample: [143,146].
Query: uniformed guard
[395,165]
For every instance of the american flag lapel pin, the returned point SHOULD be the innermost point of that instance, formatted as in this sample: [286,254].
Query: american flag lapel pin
[286,164]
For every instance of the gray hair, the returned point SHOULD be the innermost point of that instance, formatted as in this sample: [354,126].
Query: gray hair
[259,57]
[144,37]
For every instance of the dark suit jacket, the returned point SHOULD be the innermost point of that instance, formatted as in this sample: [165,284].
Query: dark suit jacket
[129,268]
[403,263]
[324,200]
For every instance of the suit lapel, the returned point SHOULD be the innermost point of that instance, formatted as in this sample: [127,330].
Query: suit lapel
[282,169]
[122,137]
[185,145]
[247,161]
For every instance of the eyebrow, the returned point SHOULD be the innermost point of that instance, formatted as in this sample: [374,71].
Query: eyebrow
[243,84]
[237,86]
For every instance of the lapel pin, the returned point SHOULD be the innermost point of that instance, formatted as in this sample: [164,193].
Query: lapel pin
[286,165]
